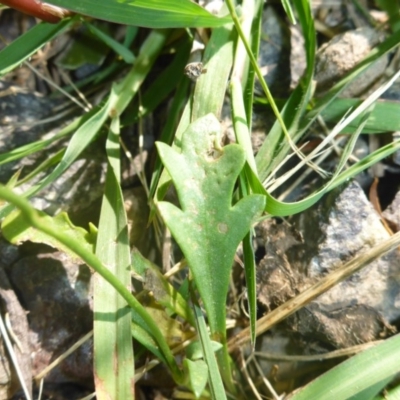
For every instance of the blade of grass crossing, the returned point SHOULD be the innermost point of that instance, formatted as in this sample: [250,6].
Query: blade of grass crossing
[149,51]
[214,377]
[210,88]
[26,150]
[120,49]
[29,43]
[255,34]
[156,14]
[263,84]
[167,133]
[243,138]
[288,9]
[112,316]
[275,147]
[388,45]
[356,374]
[79,141]
[119,98]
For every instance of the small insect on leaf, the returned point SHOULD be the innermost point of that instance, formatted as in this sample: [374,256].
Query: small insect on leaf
[194,70]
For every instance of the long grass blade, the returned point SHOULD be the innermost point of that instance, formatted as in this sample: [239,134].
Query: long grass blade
[155,14]
[112,316]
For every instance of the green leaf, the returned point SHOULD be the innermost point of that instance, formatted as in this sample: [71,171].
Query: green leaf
[197,372]
[120,49]
[288,9]
[16,229]
[146,13]
[29,43]
[209,93]
[276,147]
[359,373]
[112,338]
[164,293]
[195,351]
[214,376]
[85,48]
[140,331]
[385,117]
[208,228]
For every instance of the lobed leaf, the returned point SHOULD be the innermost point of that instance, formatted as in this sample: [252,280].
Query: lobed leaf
[207,227]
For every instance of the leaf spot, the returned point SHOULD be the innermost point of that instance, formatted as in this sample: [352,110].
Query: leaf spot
[222,228]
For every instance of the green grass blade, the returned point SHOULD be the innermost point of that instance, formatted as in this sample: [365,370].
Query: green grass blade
[120,49]
[119,98]
[146,13]
[254,39]
[356,374]
[385,117]
[214,377]
[140,331]
[289,12]
[29,43]
[240,123]
[168,79]
[149,51]
[43,166]
[210,88]
[112,336]
[253,61]
[275,147]
[243,138]
[251,282]
[388,45]
[80,140]
[168,131]
[366,162]
[30,148]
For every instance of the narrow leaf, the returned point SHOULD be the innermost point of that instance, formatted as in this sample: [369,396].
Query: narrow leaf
[373,366]
[146,13]
[29,43]
[112,316]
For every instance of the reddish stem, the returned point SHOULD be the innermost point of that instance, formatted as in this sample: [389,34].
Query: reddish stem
[38,9]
